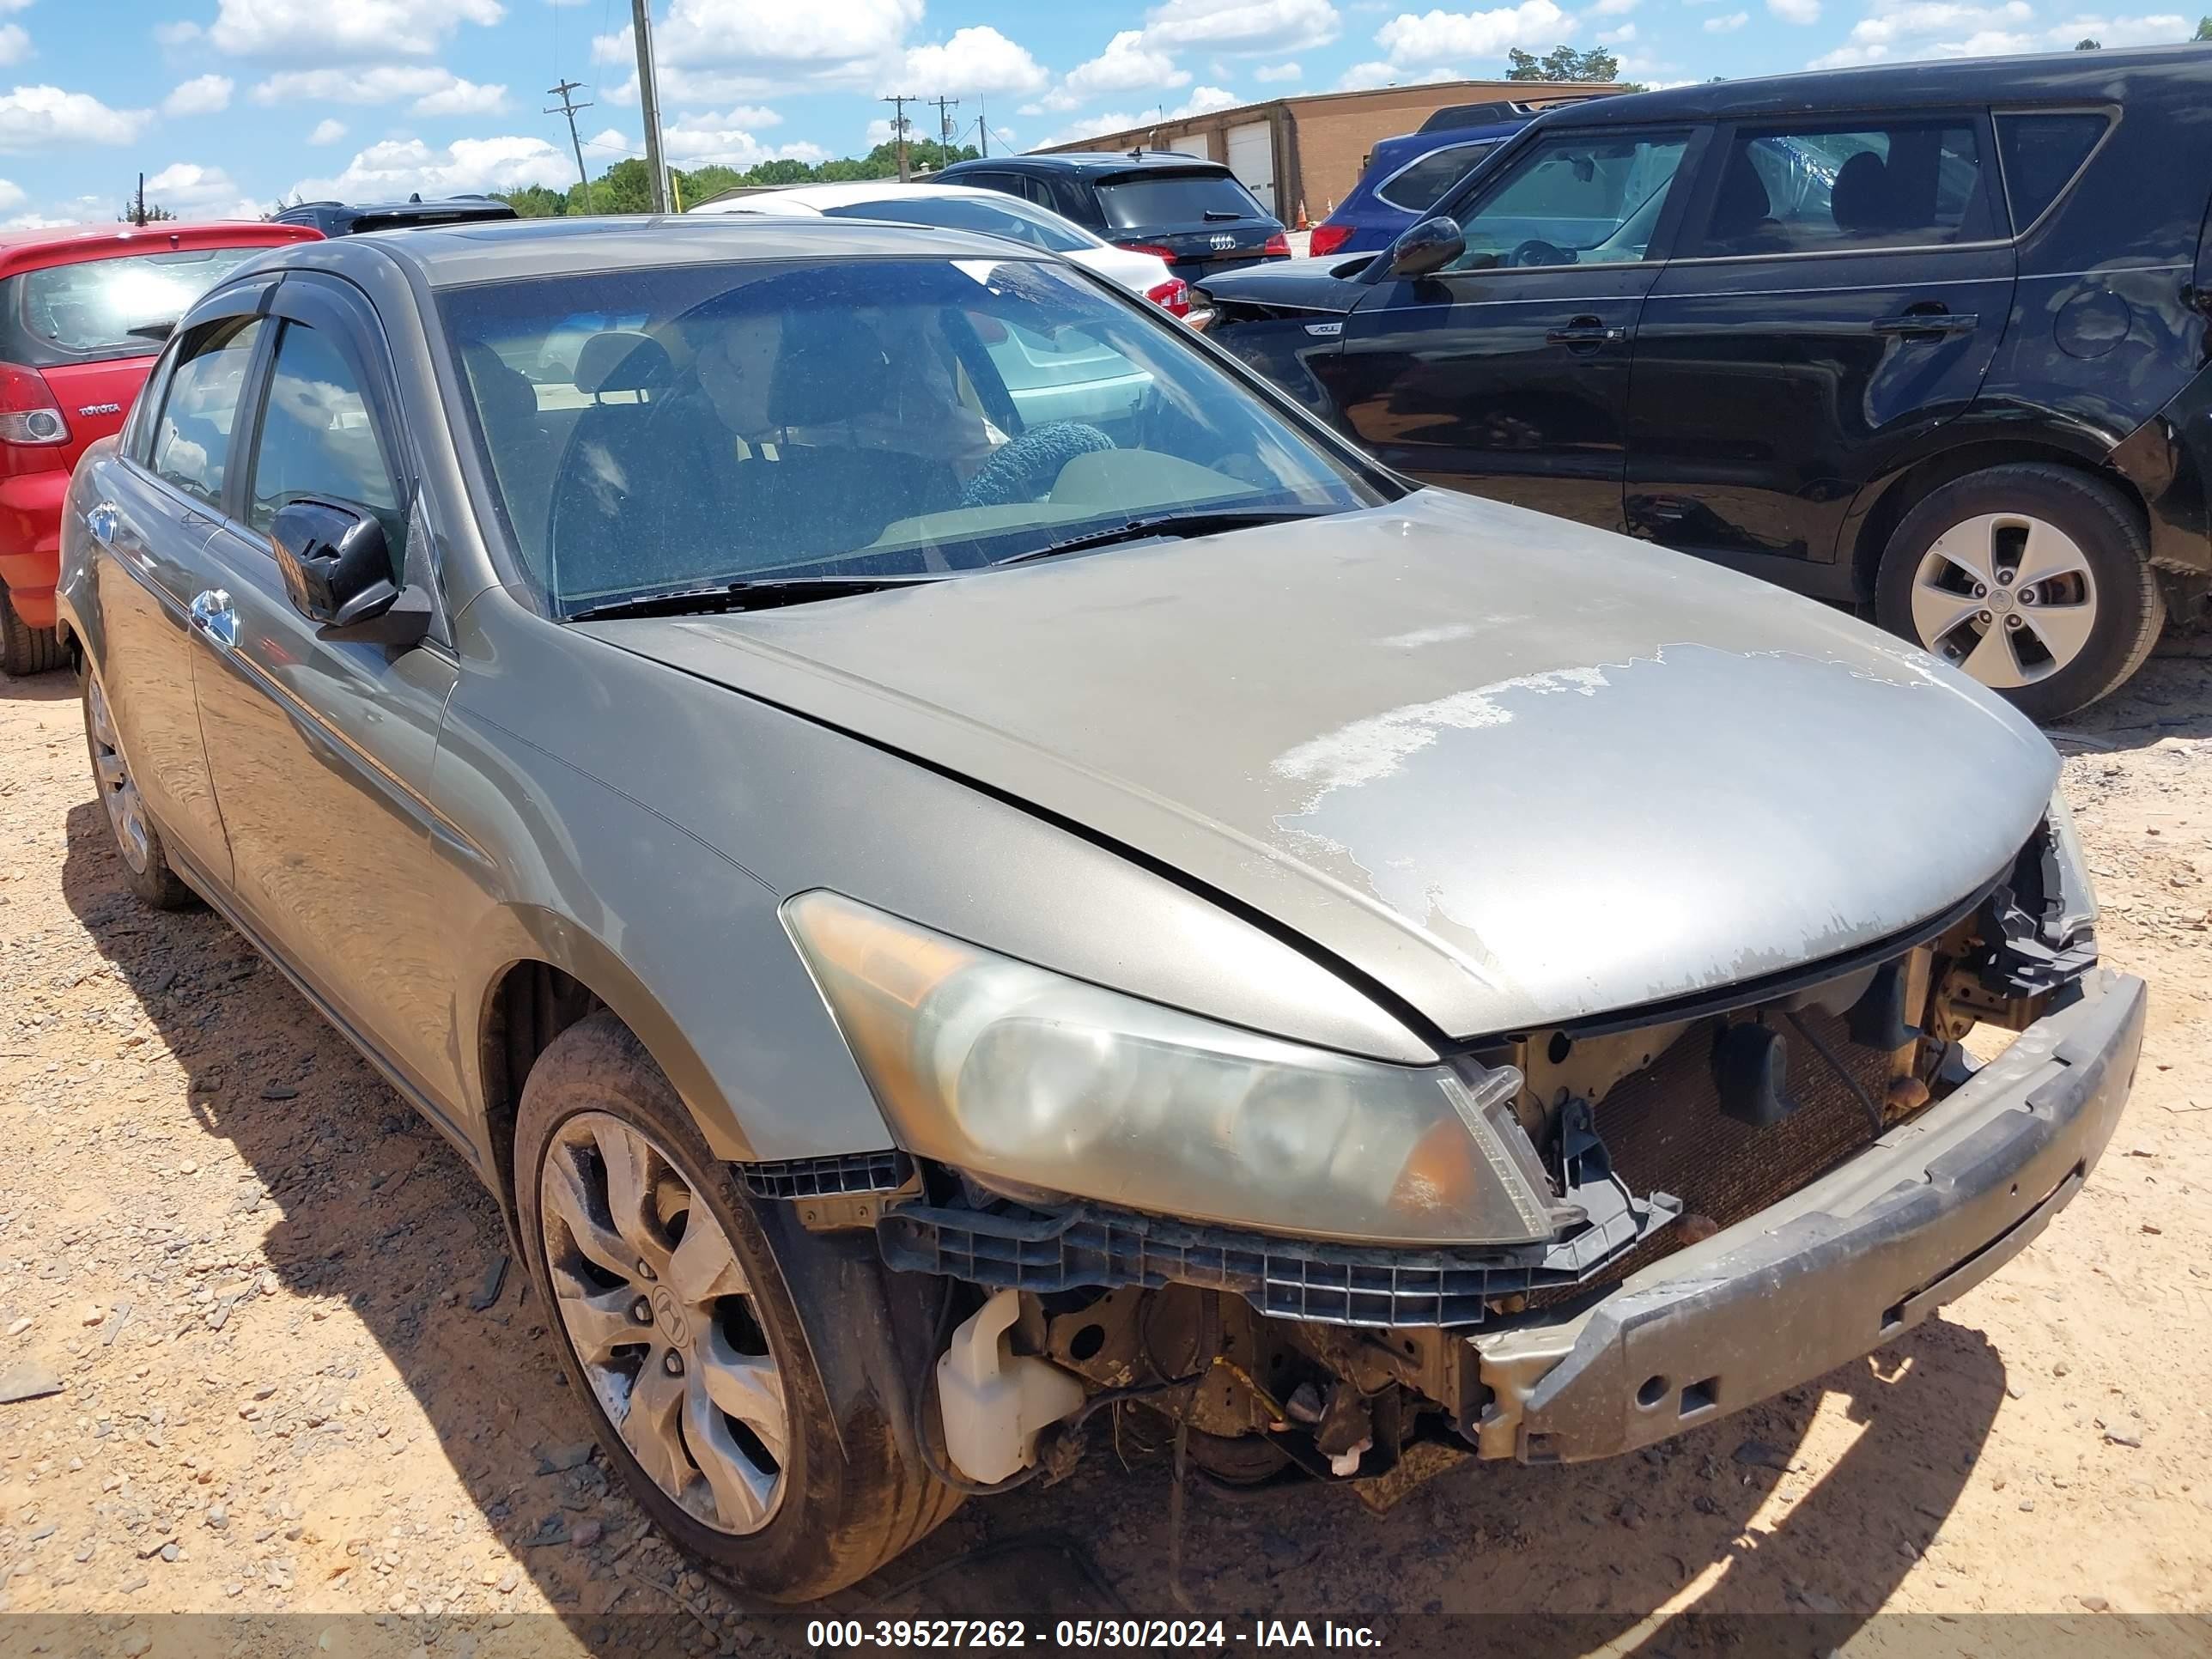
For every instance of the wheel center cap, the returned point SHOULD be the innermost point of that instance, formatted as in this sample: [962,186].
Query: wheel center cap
[2000,598]
[669,1318]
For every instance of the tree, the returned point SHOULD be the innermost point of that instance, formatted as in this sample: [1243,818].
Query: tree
[2087,45]
[2203,29]
[140,212]
[536,202]
[1563,63]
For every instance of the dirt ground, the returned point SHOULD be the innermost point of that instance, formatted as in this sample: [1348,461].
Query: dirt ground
[291,1378]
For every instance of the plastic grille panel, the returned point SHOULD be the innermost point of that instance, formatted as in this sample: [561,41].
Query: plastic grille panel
[828,1177]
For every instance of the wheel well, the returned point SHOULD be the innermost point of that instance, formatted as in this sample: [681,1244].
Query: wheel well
[533,1003]
[1922,479]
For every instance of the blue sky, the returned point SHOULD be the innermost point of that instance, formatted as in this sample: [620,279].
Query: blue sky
[227,105]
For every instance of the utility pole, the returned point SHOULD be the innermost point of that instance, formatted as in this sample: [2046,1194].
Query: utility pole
[649,98]
[947,133]
[983,127]
[898,101]
[569,109]
[138,204]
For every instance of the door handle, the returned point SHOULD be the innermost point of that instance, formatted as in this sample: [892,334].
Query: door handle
[1586,331]
[214,616]
[102,521]
[1933,322]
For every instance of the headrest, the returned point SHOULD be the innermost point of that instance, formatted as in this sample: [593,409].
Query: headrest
[830,381]
[1743,199]
[1859,196]
[504,393]
[623,359]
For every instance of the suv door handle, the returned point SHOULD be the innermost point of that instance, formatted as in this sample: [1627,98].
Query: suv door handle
[1933,322]
[1586,331]
[213,616]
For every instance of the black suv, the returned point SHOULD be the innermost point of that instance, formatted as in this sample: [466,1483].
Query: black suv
[348,219]
[1192,212]
[1929,339]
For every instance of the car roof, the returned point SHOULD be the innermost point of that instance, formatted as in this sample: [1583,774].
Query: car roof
[1087,160]
[27,249]
[496,250]
[2078,77]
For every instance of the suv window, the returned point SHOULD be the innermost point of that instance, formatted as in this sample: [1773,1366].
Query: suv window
[317,439]
[1798,190]
[1176,198]
[1573,198]
[2041,154]
[191,440]
[1420,185]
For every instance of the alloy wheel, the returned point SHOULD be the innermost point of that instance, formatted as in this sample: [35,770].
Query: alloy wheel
[662,1318]
[2007,598]
[126,810]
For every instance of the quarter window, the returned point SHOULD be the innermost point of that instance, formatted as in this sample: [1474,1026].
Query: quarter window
[317,439]
[1573,198]
[2041,154]
[1420,185]
[191,440]
[1909,183]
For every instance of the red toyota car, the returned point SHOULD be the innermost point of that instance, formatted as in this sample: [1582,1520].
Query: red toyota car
[82,311]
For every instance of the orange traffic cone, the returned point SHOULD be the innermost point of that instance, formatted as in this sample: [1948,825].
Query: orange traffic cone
[1302,224]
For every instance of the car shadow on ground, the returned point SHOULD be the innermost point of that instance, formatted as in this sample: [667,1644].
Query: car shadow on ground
[361,1206]
[2170,696]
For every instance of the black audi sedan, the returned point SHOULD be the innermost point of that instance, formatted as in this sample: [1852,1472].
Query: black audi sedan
[1930,339]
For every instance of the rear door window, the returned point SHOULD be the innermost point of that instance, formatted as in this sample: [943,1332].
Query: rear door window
[199,416]
[1816,189]
[1176,198]
[1420,185]
[2041,155]
[85,312]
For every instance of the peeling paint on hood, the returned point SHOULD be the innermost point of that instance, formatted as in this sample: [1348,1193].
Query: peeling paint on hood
[1514,770]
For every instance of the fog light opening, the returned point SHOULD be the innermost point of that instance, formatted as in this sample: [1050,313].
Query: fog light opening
[1653,1391]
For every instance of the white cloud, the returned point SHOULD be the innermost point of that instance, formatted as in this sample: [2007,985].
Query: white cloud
[1619,37]
[1613,8]
[11,193]
[1727,25]
[1272,73]
[391,170]
[180,32]
[203,95]
[328,131]
[1902,31]
[434,91]
[979,60]
[1360,77]
[192,192]
[696,140]
[1127,64]
[1242,26]
[1796,11]
[1406,39]
[350,29]
[1204,100]
[79,210]
[714,51]
[14,43]
[2122,31]
[31,117]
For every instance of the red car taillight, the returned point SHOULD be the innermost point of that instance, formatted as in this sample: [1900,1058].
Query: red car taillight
[1326,239]
[1152,248]
[1172,296]
[1279,243]
[28,413]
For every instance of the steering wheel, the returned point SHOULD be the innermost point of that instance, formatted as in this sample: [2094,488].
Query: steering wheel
[1537,251]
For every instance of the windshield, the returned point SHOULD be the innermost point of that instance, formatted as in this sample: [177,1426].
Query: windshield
[868,419]
[1176,198]
[1003,217]
[85,311]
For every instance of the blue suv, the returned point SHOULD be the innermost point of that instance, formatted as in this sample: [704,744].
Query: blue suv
[1406,176]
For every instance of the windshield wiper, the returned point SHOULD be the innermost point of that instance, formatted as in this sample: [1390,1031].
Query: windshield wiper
[1199,522]
[758,594]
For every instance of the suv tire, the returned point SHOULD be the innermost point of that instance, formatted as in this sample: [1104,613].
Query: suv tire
[2089,544]
[136,839]
[847,1494]
[24,649]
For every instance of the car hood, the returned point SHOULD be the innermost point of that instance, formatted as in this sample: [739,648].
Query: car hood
[1304,284]
[1514,771]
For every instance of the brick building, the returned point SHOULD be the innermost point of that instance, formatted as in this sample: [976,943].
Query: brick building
[1310,147]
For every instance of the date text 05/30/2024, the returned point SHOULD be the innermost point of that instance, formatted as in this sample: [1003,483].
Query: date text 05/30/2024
[1214,1634]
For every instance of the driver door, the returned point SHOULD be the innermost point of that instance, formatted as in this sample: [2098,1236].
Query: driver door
[1506,373]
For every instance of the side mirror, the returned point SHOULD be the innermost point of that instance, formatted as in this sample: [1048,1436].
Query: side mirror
[1428,247]
[338,572]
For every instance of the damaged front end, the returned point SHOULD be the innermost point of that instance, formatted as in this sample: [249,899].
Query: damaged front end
[1689,1204]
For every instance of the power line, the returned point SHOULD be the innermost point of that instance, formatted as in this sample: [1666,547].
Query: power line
[945,130]
[898,101]
[569,109]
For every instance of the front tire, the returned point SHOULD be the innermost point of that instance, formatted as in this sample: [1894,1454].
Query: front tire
[25,650]
[676,1329]
[137,842]
[2034,579]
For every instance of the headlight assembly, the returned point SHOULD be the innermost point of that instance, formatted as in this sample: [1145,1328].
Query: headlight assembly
[2076,897]
[1028,1080]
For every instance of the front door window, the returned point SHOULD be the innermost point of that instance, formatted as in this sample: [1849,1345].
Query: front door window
[1574,198]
